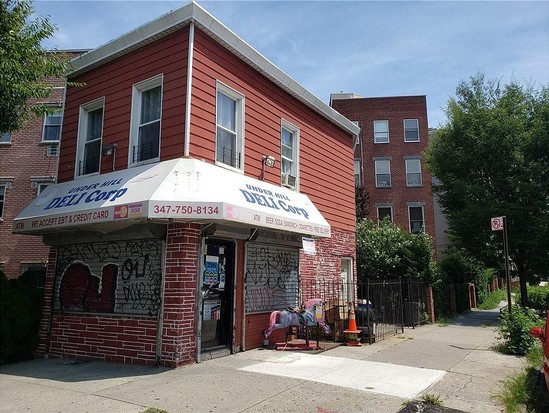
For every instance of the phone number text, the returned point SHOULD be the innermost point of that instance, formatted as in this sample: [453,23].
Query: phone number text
[186,209]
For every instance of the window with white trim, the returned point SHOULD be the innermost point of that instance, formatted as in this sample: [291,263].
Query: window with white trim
[90,133]
[381,131]
[384,212]
[229,139]
[2,199]
[415,214]
[52,126]
[289,139]
[145,126]
[383,173]
[5,137]
[411,130]
[413,172]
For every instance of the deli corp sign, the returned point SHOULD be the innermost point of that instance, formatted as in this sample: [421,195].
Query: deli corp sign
[88,194]
[265,197]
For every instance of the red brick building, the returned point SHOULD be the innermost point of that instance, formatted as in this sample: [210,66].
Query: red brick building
[192,173]
[28,164]
[389,157]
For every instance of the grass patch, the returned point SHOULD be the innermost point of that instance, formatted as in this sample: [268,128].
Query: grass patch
[431,399]
[492,300]
[443,322]
[525,391]
[154,410]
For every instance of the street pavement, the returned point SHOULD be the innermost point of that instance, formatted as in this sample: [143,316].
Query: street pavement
[453,362]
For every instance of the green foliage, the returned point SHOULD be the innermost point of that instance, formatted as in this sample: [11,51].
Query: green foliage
[538,298]
[386,251]
[491,159]
[515,330]
[431,399]
[525,391]
[21,306]
[26,68]
[492,300]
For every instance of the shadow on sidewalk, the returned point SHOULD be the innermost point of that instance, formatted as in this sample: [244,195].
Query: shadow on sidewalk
[77,370]
[478,318]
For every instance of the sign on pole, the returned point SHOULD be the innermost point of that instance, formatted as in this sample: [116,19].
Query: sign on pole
[500,224]
[497,223]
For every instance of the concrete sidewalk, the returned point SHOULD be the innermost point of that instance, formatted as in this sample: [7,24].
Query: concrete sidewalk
[454,362]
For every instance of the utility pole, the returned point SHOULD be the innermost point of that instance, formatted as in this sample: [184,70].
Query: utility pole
[500,224]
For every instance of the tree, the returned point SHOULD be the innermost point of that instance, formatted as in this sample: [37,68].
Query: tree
[26,68]
[492,159]
[386,251]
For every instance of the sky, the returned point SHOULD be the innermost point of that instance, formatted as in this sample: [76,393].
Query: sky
[370,48]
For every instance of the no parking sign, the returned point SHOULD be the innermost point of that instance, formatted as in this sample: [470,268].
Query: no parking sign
[497,223]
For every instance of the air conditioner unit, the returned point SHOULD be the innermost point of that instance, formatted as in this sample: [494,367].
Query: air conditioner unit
[288,180]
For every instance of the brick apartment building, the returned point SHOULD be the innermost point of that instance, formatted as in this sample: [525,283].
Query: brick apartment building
[28,164]
[192,174]
[388,157]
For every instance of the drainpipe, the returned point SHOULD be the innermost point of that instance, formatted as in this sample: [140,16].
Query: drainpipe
[189,90]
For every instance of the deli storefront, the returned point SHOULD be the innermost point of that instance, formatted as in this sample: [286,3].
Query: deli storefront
[169,263]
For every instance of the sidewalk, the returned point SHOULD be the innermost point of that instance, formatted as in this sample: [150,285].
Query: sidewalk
[453,362]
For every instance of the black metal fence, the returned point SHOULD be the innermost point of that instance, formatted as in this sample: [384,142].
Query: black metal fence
[382,308]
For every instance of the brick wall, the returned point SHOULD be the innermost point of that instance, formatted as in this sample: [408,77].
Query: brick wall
[394,110]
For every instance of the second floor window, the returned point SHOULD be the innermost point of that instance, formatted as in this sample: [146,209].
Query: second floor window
[146,114]
[381,131]
[288,149]
[52,126]
[411,130]
[383,173]
[90,133]
[413,172]
[229,145]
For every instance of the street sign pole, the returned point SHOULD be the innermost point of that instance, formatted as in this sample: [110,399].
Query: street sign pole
[507,275]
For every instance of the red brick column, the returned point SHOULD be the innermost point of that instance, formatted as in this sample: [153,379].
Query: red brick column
[430,303]
[178,345]
[44,328]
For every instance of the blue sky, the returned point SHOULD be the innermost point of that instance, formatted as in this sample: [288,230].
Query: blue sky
[371,48]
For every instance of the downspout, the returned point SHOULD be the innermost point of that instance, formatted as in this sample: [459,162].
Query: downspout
[189,90]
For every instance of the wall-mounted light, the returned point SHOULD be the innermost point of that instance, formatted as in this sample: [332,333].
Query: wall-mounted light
[109,149]
[269,161]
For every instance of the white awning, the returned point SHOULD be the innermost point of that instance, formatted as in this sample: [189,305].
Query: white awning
[172,191]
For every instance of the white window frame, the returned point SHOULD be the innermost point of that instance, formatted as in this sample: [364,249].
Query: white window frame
[378,163]
[294,130]
[83,118]
[410,164]
[422,218]
[137,91]
[58,113]
[390,207]
[3,190]
[381,134]
[406,129]
[238,164]
[5,138]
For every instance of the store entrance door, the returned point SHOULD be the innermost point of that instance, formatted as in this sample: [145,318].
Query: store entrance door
[217,294]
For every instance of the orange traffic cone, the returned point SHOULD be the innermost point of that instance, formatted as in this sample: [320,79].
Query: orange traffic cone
[351,334]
